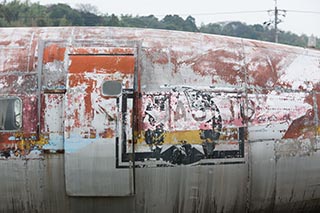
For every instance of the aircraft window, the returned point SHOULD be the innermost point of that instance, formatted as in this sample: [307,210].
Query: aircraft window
[10,113]
[111,88]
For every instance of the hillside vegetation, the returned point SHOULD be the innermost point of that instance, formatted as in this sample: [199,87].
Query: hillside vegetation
[26,14]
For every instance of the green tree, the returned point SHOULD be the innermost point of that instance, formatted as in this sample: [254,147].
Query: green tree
[140,21]
[64,14]
[151,22]
[130,21]
[89,15]
[212,28]
[90,19]
[173,22]
[14,12]
[112,20]
[190,24]
[36,15]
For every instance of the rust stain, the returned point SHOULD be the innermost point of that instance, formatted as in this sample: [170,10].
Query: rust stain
[108,133]
[218,62]
[30,119]
[32,59]
[16,60]
[87,99]
[21,143]
[21,42]
[53,53]
[77,119]
[101,64]
[302,127]
[5,43]
[91,133]
[268,73]
[174,60]
[111,51]
[158,56]
[76,80]
[318,104]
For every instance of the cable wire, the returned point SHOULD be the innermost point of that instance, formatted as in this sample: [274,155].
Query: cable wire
[216,13]
[304,11]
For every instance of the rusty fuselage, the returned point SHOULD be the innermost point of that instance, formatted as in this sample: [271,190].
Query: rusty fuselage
[141,120]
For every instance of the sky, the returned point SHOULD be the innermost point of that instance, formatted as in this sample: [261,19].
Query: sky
[302,16]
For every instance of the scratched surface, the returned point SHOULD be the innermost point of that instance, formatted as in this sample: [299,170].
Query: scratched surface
[243,116]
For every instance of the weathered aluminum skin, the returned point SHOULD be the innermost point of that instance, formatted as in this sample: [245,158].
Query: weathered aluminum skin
[204,123]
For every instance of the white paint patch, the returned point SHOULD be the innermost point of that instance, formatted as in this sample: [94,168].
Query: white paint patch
[302,72]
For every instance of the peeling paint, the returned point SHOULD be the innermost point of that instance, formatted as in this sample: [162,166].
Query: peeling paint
[186,100]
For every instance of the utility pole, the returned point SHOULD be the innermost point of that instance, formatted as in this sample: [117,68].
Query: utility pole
[276,20]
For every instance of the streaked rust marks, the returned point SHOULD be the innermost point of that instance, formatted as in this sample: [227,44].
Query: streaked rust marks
[76,80]
[5,43]
[53,53]
[15,60]
[91,133]
[101,64]
[266,73]
[20,144]
[221,63]
[106,51]
[317,96]
[108,133]
[30,108]
[303,127]
[158,56]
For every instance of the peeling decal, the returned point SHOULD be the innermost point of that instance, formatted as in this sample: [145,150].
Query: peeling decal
[185,125]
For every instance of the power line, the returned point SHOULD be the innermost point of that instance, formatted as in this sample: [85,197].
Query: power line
[304,11]
[235,12]
[216,13]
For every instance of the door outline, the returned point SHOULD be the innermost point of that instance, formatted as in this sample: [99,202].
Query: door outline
[117,138]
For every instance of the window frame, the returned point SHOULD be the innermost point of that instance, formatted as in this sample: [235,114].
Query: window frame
[109,95]
[15,98]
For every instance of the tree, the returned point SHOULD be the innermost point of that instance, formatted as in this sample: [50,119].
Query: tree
[13,12]
[173,22]
[190,24]
[112,20]
[64,14]
[36,15]
[151,22]
[89,15]
[237,29]
[140,21]
[90,19]
[87,8]
[212,28]
[129,21]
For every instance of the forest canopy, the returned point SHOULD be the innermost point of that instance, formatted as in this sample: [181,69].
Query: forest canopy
[18,13]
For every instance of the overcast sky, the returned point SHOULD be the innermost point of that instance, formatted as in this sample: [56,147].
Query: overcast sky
[209,11]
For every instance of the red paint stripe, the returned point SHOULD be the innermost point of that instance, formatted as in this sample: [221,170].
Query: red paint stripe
[101,64]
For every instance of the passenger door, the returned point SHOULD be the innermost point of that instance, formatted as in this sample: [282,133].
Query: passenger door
[98,79]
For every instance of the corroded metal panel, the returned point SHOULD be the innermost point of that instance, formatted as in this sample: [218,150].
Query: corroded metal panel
[93,122]
[273,116]
[53,108]
[53,72]
[187,124]
[233,123]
